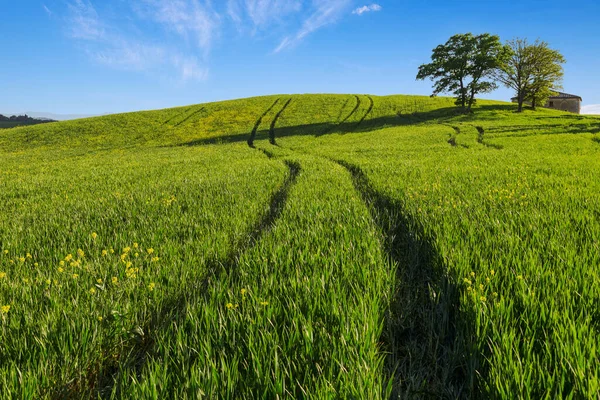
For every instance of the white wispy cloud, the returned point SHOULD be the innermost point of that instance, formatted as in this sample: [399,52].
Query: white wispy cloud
[107,45]
[85,22]
[178,35]
[325,12]
[591,109]
[48,11]
[366,9]
[194,21]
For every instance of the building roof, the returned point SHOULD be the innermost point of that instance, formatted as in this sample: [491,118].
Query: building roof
[562,95]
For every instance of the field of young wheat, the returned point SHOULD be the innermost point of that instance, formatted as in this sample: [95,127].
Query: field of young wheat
[314,246]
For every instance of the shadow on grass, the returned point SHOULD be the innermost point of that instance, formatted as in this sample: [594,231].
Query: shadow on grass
[546,129]
[101,380]
[424,334]
[320,129]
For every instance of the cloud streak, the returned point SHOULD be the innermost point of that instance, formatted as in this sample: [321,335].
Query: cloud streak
[366,9]
[179,35]
[48,11]
[106,44]
[325,12]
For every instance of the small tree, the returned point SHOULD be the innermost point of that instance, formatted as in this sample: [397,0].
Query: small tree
[532,70]
[461,66]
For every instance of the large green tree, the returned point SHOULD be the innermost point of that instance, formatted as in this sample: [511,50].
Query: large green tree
[463,65]
[534,71]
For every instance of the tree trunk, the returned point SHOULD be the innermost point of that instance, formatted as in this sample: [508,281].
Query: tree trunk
[520,98]
[471,99]
[462,95]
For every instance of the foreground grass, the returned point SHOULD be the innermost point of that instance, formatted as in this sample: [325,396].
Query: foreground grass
[361,247]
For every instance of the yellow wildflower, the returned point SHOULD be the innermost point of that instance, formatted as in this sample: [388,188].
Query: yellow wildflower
[126,249]
[62,263]
[61,270]
[243,291]
[519,277]
[151,286]
[150,250]
[22,259]
[99,281]
[482,298]
[75,276]
[80,253]
[92,291]
[129,264]
[104,253]
[36,265]
[487,280]
[2,275]
[492,272]
[480,287]
[112,251]
[135,245]
[28,256]
[229,306]
[137,255]
[94,235]
[100,318]
[264,303]
[48,282]
[115,280]
[5,309]
[467,281]
[5,251]
[155,259]
[69,257]
[473,274]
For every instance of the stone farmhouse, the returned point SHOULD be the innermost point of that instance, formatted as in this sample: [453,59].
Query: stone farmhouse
[563,102]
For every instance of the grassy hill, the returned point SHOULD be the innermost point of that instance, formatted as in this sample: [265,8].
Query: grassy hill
[321,246]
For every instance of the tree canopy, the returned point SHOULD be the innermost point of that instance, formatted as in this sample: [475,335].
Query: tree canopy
[534,71]
[463,65]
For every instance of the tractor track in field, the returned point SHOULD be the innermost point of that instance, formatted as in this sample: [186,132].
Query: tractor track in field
[480,139]
[420,332]
[190,116]
[177,116]
[274,122]
[101,378]
[369,110]
[354,110]
[342,122]
[258,122]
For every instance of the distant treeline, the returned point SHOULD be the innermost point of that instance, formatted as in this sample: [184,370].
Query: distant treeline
[17,120]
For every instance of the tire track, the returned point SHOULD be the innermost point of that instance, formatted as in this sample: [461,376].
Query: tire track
[274,122]
[190,116]
[480,133]
[354,110]
[420,336]
[258,122]
[356,107]
[177,116]
[102,379]
[369,110]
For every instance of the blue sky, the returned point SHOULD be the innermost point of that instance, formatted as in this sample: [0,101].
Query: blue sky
[101,56]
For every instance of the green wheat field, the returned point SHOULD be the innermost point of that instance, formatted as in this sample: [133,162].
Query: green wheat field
[302,246]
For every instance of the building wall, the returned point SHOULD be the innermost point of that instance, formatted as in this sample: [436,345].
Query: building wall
[570,105]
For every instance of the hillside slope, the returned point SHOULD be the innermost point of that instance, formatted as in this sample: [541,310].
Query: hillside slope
[302,246]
